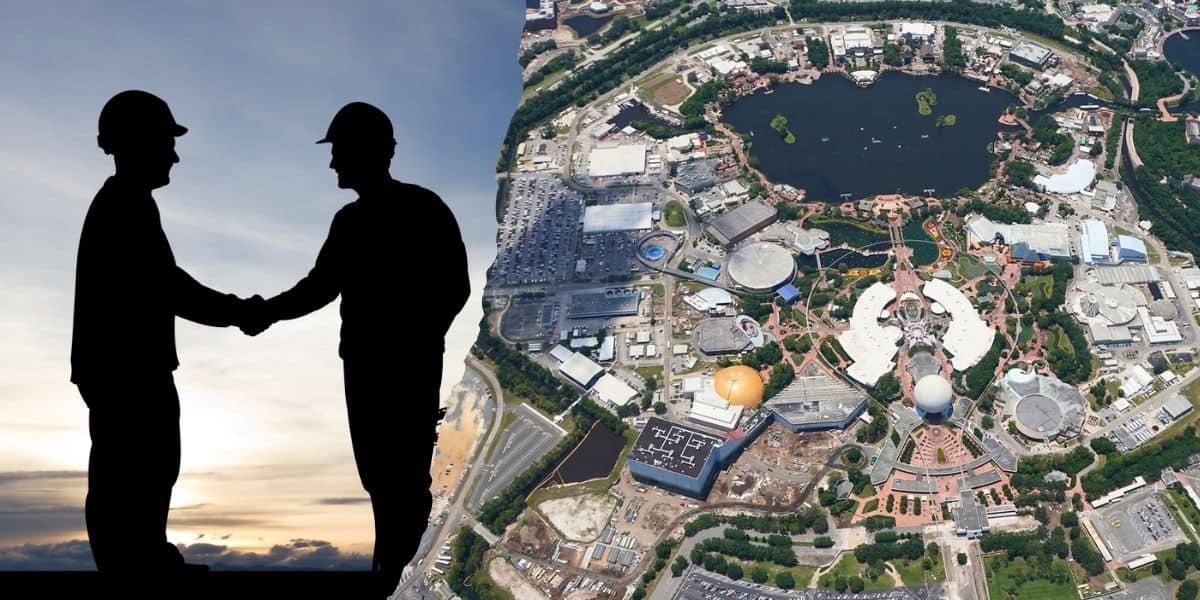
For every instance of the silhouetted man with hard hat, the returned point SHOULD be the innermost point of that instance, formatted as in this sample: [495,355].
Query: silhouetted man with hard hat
[400,292]
[128,291]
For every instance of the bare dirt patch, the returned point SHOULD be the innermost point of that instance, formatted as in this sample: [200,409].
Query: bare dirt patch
[668,90]
[580,518]
[457,439]
[508,578]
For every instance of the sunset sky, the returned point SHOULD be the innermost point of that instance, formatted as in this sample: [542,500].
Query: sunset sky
[268,477]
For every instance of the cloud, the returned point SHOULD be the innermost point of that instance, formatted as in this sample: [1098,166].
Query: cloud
[296,554]
[343,501]
[76,555]
[15,476]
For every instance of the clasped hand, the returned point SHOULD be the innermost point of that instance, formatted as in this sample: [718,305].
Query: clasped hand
[254,318]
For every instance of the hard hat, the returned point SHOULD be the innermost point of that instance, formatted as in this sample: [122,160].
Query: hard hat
[359,123]
[135,114]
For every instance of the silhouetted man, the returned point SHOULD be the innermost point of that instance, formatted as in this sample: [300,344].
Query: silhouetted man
[128,291]
[398,260]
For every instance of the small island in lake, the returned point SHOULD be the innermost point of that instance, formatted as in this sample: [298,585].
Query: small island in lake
[779,124]
[926,100]
[947,120]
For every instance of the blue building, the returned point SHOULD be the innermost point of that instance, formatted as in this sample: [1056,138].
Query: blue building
[686,460]
[788,293]
[1131,248]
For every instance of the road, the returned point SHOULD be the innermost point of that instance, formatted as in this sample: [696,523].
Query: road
[455,514]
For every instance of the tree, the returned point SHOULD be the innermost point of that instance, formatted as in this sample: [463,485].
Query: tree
[758,574]
[892,55]
[987,422]
[678,566]
[660,408]
[733,571]
[962,558]
[855,583]
[886,388]
[1103,445]
[785,580]
[1187,590]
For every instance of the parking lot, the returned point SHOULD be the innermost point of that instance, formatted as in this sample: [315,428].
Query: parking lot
[702,585]
[530,319]
[523,443]
[1138,525]
[538,240]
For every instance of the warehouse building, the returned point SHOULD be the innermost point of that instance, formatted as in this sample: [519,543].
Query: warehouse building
[742,222]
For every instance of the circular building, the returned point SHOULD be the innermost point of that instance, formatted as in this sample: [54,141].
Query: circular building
[1038,417]
[1042,407]
[739,385]
[933,396]
[762,267]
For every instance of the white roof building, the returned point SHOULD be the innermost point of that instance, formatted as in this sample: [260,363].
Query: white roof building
[1093,242]
[969,338]
[710,408]
[581,370]
[560,353]
[1051,240]
[1136,380]
[868,344]
[1157,329]
[622,160]
[607,349]
[611,389]
[603,218]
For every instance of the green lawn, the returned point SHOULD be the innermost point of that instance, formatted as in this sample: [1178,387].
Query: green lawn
[849,566]
[1042,286]
[1000,582]
[654,371]
[673,214]
[1057,338]
[970,267]
[911,572]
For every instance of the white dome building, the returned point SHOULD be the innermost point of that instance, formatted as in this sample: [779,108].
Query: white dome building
[933,396]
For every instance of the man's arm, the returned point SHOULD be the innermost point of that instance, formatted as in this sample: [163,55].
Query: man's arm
[200,304]
[322,284]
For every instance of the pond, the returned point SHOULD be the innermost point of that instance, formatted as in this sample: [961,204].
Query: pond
[594,458]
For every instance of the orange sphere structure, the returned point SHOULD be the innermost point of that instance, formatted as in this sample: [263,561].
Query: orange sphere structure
[739,385]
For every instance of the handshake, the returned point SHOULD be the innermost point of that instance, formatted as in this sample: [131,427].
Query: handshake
[253,317]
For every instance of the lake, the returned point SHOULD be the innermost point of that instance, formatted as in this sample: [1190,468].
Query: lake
[868,141]
[1184,52]
[593,458]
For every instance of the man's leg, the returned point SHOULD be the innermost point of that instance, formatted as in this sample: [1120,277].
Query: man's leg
[393,429]
[133,464]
